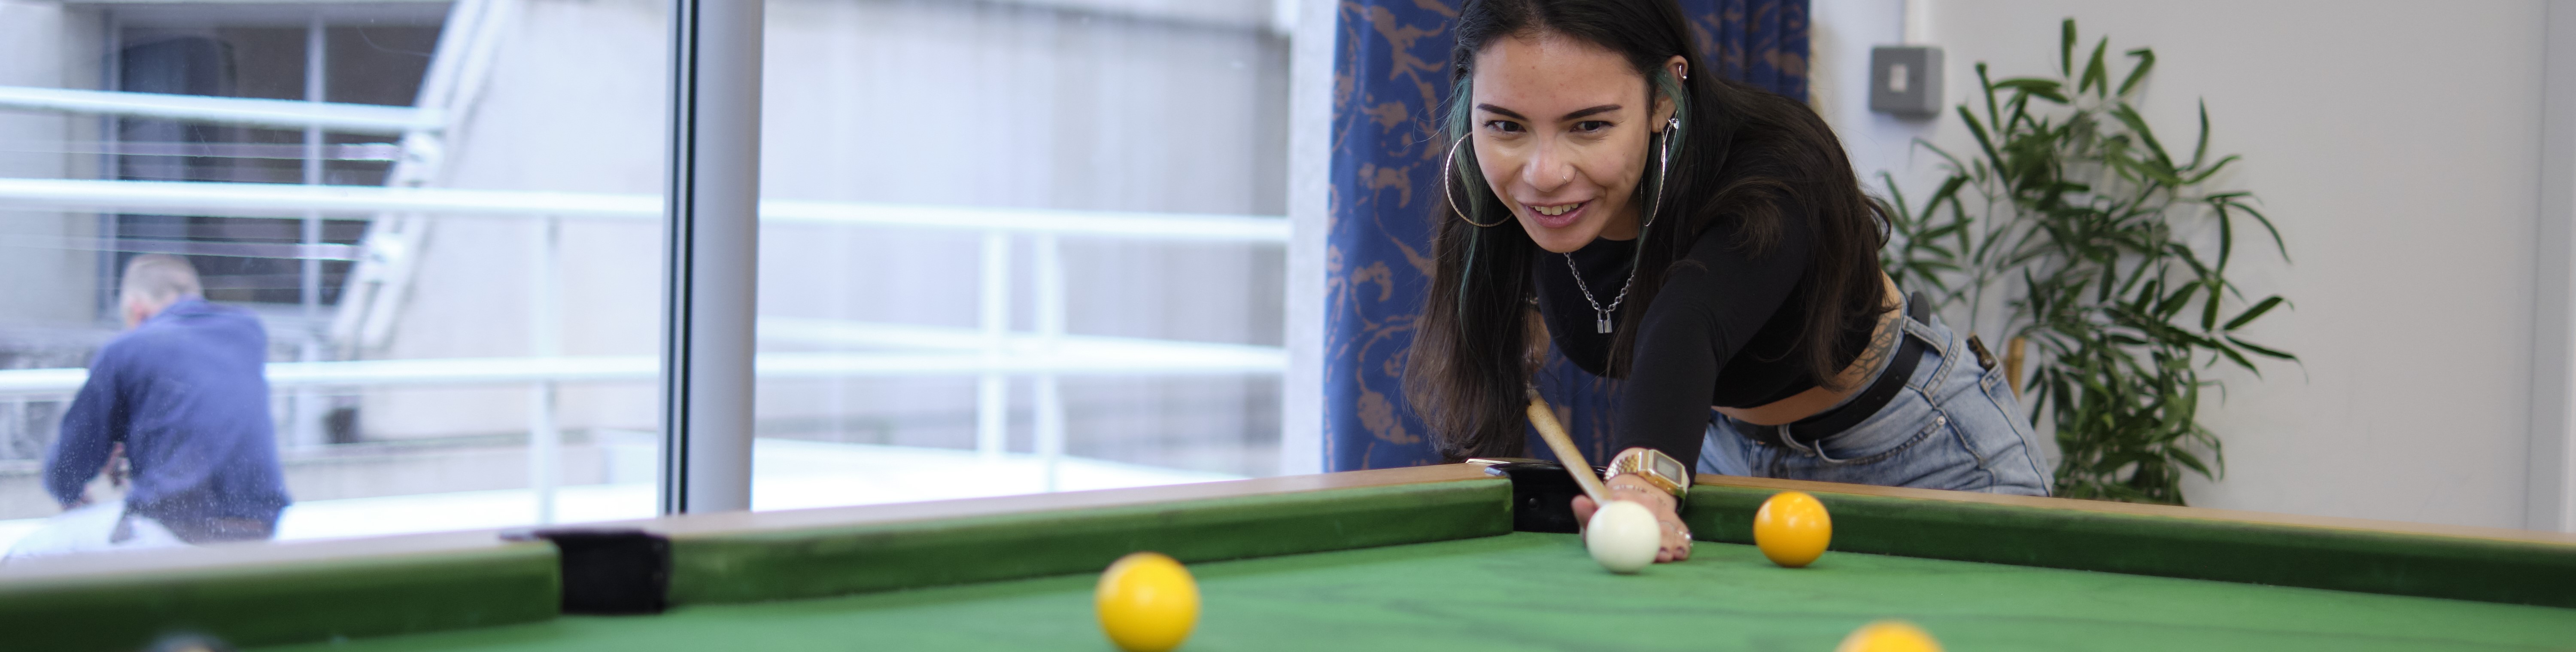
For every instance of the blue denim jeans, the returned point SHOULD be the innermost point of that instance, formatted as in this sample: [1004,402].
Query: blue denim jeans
[1956,425]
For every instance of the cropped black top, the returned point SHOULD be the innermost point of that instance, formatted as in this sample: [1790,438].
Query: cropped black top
[1722,331]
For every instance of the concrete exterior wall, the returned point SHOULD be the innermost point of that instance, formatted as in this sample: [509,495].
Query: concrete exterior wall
[574,103]
[2395,143]
[49,314]
[44,44]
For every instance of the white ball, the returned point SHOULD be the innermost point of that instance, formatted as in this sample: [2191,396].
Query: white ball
[1623,536]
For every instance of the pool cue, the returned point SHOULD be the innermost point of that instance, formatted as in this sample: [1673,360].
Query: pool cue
[1548,429]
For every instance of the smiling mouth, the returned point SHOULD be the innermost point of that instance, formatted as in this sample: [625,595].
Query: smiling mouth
[1556,210]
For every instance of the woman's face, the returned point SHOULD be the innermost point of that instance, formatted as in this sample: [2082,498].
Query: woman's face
[1561,131]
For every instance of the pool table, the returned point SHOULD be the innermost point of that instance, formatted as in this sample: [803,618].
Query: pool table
[1456,557]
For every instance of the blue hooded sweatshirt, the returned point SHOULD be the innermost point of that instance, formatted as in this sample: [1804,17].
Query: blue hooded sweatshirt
[187,393]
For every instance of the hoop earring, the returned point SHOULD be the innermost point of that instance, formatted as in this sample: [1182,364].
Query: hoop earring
[1448,163]
[1663,171]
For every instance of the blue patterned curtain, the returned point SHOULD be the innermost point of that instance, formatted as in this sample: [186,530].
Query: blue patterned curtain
[1390,73]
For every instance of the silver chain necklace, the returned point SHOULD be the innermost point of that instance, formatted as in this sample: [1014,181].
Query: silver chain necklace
[1600,315]
[1601,321]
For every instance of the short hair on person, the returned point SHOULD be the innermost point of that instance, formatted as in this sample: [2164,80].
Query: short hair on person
[159,278]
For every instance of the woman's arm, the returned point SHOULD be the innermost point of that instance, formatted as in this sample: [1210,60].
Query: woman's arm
[1708,307]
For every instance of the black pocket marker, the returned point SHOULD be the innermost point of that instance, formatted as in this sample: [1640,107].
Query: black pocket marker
[609,571]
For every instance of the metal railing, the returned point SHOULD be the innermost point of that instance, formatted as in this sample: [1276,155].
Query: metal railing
[288,114]
[285,200]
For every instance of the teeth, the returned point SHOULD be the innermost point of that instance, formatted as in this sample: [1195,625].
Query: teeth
[1554,210]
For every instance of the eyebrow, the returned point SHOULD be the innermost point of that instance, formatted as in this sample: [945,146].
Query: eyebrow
[1577,115]
[1605,108]
[1501,110]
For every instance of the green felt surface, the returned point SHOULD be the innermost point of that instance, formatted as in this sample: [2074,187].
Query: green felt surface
[1540,592]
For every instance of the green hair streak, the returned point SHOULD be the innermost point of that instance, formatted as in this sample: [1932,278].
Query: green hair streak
[1461,120]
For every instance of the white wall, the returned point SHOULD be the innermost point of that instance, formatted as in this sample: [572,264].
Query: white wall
[1840,35]
[2396,144]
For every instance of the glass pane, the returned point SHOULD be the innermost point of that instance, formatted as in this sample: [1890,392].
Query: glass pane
[431,229]
[1015,247]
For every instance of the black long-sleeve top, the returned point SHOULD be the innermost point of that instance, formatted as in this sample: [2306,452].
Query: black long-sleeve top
[1723,330]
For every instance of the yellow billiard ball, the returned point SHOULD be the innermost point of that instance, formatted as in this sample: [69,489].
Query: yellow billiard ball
[1147,602]
[1792,528]
[1889,636]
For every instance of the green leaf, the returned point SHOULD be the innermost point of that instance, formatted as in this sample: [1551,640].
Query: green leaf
[1951,162]
[1982,142]
[2267,226]
[2147,61]
[2029,84]
[2197,151]
[2226,234]
[2265,352]
[1949,192]
[1989,87]
[2036,87]
[2210,171]
[1895,194]
[2066,49]
[2096,76]
[2209,310]
[2251,314]
[2137,125]
[2239,359]
[2174,304]
[2184,457]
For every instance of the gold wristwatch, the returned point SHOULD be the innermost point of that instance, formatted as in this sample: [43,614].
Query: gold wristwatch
[1653,466]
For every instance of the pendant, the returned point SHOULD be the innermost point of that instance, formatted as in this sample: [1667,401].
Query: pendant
[1602,324]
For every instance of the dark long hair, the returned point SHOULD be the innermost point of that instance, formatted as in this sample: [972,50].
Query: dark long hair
[1745,156]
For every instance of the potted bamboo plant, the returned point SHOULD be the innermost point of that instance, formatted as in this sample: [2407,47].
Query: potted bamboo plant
[2089,244]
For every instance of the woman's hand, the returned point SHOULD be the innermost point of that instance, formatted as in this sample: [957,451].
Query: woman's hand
[1677,541]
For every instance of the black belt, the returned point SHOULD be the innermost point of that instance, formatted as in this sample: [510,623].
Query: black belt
[1860,408]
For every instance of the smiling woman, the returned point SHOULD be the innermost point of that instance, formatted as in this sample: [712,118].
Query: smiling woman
[1702,240]
[1570,173]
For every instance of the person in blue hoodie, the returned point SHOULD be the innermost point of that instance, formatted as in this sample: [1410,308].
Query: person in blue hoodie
[183,393]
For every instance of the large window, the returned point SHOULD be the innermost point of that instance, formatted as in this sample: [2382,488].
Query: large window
[1006,247]
[1044,239]
[442,217]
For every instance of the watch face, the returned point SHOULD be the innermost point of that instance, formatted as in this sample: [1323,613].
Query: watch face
[1666,466]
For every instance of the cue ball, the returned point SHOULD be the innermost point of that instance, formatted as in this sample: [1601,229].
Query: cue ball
[1889,636]
[1623,536]
[1792,528]
[1147,602]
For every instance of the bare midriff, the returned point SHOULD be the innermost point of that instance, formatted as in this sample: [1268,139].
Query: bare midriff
[1852,380]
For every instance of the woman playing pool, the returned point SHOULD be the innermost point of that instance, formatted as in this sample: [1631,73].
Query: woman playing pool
[1703,241]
